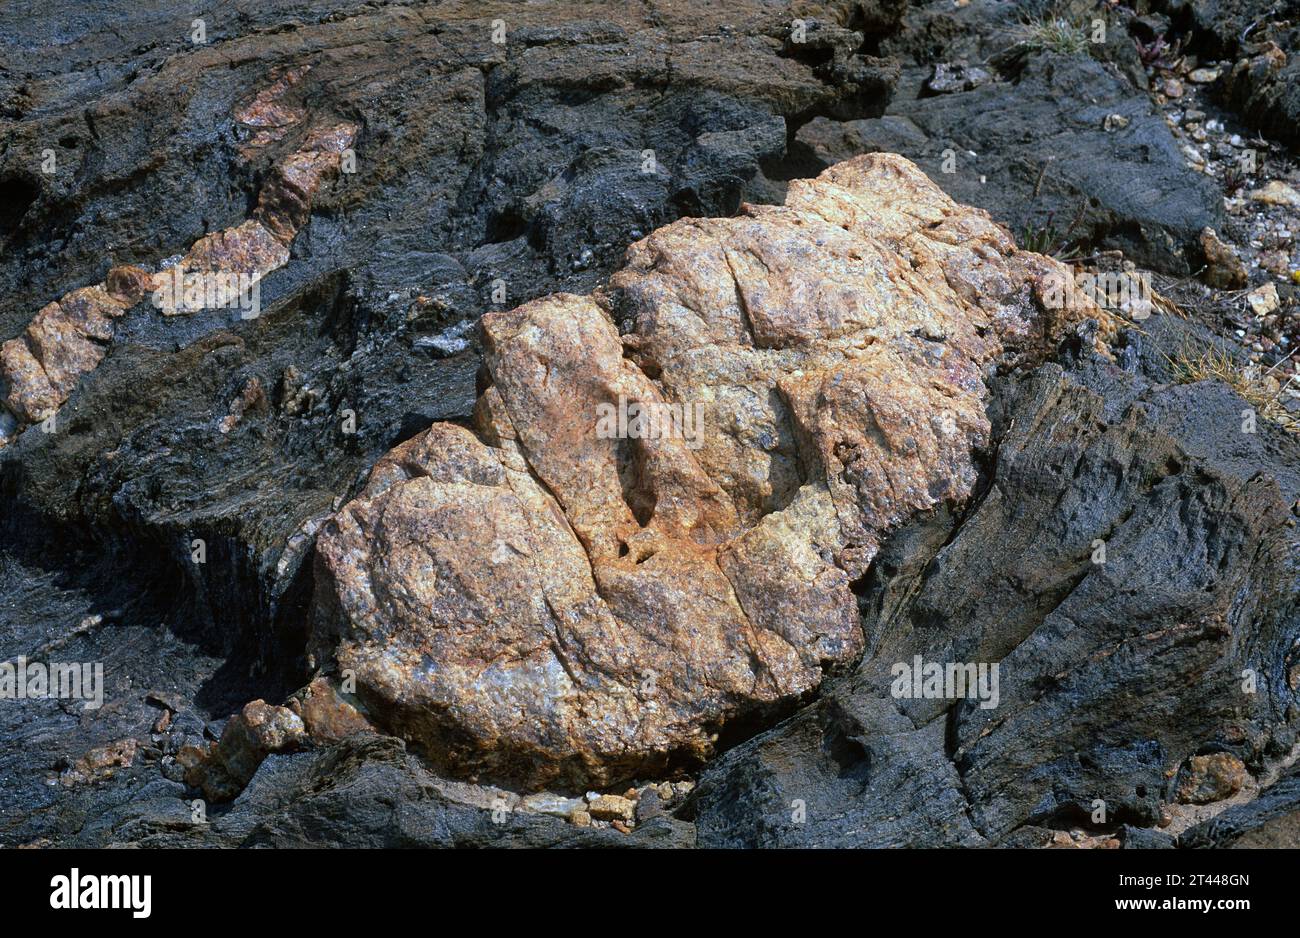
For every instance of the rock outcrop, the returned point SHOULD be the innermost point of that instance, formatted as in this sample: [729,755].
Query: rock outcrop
[40,369]
[165,523]
[1141,608]
[653,535]
[488,173]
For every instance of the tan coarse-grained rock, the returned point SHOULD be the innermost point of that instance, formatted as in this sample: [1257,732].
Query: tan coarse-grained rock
[612,808]
[62,342]
[30,396]
[1211,778]
[101,762]
[224,768]
[546,602]
[1223,268]
[247,248]
[326,714]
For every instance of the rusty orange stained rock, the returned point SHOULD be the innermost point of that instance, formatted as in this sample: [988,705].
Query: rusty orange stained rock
[541,603]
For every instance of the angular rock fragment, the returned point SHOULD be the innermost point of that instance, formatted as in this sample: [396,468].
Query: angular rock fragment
[1223,268]
[326,714]
[1276,192]
[612,808]
[225,767]
[950,78]
[651,535]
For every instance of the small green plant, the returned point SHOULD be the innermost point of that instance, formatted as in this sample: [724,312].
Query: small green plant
[1046,239]
[1036,239]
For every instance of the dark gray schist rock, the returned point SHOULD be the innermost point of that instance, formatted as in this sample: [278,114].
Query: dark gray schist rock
[1270,820]
[1263,85]
[360,792]
[1145,838]
[850,771]
[1033,150]
[1266,94]
[1111,675]
[67,609]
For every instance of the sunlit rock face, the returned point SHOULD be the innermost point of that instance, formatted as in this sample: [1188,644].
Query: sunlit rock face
[653,528]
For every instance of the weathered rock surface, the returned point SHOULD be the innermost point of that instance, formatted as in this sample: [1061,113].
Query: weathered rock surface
[1270,821]
[526,167]
[1112,674]
[1040,157]
[545,602]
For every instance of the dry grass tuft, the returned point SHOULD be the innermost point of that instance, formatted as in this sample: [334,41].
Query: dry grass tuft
[1261,390]
[1054,34]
